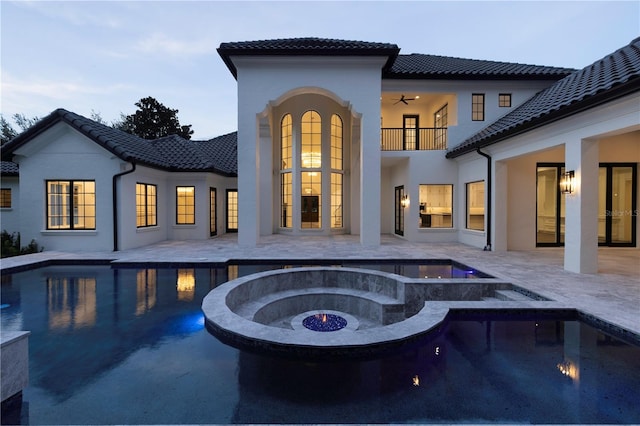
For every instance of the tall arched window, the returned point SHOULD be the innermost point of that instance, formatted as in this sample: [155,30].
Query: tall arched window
[286,142]
[310,168]
[337,171]
[286,163]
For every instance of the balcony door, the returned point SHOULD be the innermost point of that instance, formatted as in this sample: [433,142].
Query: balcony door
[410,126]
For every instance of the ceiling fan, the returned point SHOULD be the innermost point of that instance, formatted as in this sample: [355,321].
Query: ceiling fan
[403,100]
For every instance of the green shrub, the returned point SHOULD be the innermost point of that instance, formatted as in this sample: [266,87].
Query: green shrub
[10,245]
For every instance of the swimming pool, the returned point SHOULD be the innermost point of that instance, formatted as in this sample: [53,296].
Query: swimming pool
[128,346]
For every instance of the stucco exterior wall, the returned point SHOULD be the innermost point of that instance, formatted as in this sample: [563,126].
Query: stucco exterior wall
[63,153]
[10,217]
[131,236]
[355,82]
[472,168]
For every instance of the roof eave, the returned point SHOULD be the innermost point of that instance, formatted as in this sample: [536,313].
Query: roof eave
[628,88]
[227,53]
[473,77]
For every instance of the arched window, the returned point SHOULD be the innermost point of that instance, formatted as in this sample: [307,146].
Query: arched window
[337,171]
[310,165]
[286,163]
[311,152]
[286,142]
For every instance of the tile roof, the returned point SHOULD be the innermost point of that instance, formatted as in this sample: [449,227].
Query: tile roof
[171,153]
[609,78]
[307,46]
[9,168]
[419,66]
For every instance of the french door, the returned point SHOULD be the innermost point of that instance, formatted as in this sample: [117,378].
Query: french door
[399,210]
[410,128]
[617,205]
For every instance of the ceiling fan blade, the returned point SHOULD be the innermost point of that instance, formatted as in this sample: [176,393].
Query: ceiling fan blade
[404,101]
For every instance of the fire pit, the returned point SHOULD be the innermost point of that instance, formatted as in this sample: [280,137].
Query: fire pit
[324,322]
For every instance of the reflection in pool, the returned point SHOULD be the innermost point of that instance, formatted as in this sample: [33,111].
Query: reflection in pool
[128,346]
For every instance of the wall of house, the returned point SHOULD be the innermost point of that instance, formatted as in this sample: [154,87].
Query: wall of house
[471,168]
[616,129]
[521,197]
[131,236]
[264,82]
[457,95]
[10,217]
[413,169]
[63,153]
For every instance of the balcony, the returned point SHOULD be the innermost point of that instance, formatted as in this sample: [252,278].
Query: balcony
[419,139]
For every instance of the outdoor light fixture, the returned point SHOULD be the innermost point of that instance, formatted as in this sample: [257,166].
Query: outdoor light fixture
[567,182]
[404,202]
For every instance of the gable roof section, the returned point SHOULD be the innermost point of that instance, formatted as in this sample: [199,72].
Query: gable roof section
[308,46]
[612,77]
[171,153]
[419,66]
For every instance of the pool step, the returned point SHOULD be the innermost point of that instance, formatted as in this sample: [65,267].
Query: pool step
[510,295]
[491,299]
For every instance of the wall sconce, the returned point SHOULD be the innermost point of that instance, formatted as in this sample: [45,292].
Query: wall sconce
[404,202]
[567,182]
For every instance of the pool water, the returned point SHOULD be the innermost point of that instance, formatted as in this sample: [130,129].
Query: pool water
[128,346]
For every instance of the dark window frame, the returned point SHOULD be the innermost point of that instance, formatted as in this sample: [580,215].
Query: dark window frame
[73,205]
[146,205]
[193,222]
[477,106]
[5,198]
[213,212]
[504,100]
[228,192]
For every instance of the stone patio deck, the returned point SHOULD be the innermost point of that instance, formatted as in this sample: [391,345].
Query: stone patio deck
[612,295]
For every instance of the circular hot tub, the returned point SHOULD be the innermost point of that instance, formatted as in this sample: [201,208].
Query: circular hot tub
[314,312]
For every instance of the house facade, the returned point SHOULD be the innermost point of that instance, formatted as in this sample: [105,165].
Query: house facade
[349,137]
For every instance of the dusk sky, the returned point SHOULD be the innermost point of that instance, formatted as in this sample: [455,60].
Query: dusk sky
[89,56]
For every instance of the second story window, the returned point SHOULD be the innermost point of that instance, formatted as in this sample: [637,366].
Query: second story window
[477,107]
[504,100]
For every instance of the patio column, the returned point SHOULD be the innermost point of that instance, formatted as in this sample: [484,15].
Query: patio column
[370,175]
[581,216]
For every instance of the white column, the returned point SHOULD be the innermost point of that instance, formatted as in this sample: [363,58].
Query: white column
[581,214]
[247,182]
[370,174]
[500,201]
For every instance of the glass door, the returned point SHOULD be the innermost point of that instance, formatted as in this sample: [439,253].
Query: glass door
[399,210]
[617,205]
[410,132]
[550,205]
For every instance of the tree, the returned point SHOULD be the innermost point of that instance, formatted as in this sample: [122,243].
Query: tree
[7,132]
[153,120]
